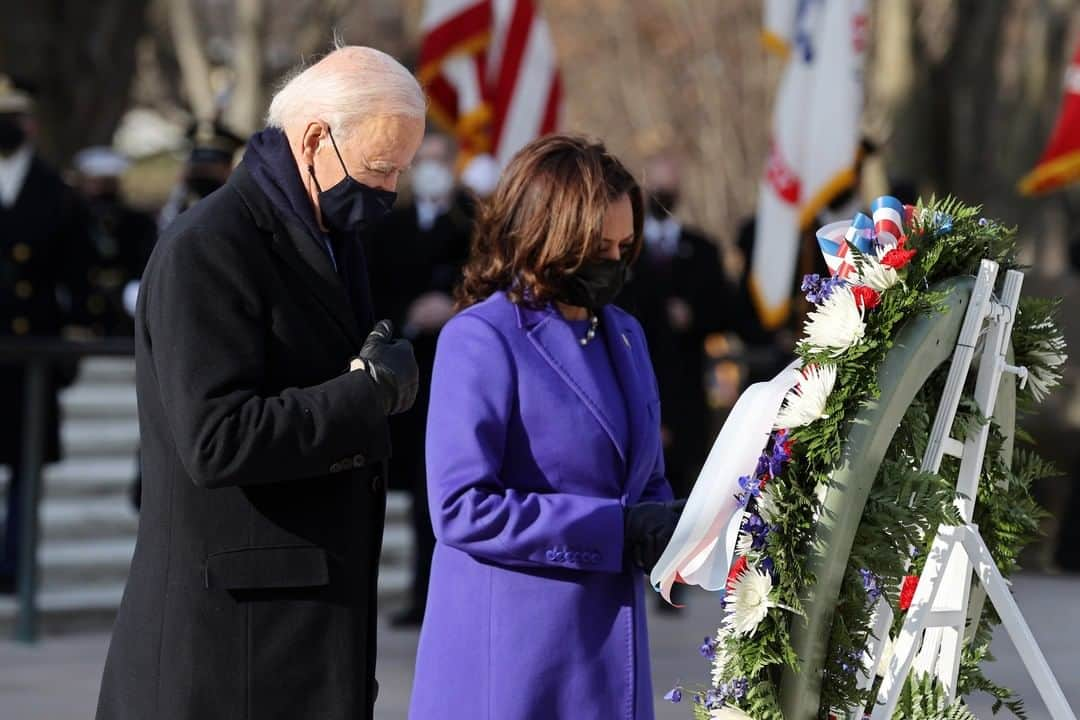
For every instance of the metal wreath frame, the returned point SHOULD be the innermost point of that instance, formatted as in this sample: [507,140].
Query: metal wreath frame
[923,345]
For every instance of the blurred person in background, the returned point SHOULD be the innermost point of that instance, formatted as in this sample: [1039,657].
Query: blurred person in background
[264,388]
[680,294]
[207,167]
[44,253]
[415,257]
[122,238]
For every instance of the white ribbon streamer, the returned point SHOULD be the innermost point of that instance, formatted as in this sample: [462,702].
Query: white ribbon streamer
[704,540]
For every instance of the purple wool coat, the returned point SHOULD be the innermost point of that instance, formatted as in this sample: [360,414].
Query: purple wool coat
[533,613]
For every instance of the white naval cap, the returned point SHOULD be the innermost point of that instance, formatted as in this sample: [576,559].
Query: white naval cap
[100,162]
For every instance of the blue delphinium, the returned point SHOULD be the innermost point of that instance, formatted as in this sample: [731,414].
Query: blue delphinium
[708,649]
[850,660]
[768,566]
[674,695]
[757,529]
[818,289]
[751,488]
[870,585]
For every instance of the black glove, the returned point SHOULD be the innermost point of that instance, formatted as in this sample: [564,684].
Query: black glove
[391,365]
[647,529]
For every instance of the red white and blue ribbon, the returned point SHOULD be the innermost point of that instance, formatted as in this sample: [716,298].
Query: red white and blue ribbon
[885,230]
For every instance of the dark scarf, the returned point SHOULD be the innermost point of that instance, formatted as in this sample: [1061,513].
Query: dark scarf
[270,161]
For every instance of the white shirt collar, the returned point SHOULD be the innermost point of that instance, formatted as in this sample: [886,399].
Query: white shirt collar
[13,172]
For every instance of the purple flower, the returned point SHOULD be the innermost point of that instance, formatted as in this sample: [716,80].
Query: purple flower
[762,468]
[768,566]
[738,688]
[818,289]
[731,691]
[850,661]
[708,649]
[751,488]
[870,585]
[674,695]
[758,530]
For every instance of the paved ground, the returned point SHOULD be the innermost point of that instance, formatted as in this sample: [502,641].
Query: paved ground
[58,679]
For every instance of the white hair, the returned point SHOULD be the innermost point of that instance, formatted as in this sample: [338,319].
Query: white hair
[349,85]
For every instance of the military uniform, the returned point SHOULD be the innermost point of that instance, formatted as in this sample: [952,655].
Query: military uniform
[44,247]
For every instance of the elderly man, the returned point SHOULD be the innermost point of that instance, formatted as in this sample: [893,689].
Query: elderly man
[263,414]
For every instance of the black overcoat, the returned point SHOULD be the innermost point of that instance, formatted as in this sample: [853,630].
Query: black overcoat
[252,588]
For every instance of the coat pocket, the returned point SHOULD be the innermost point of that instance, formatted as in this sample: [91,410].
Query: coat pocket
[267,567]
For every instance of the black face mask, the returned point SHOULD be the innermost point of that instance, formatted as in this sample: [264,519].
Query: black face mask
[662,203]
[350,206]
[12,134]
[595,284]
[203,186]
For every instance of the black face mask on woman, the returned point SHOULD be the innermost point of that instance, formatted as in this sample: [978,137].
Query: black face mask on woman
[596,283]
[12,134]
[350,206]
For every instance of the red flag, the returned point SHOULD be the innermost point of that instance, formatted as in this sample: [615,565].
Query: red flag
[1060,161]
[490,72]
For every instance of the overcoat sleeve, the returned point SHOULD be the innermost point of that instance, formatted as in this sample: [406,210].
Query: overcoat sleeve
[209,342]
[473,508]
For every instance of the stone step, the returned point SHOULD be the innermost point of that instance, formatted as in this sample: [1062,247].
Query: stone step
[80,477]
[98,401]
[100,437]
[87,518]
[84,564]
[107,370]
[94,607]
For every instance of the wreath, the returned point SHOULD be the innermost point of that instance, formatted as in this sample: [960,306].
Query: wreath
[886,272]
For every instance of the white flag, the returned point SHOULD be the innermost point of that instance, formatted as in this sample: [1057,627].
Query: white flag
[815,135]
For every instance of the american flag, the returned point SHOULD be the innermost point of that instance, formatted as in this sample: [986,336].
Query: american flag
[491,75]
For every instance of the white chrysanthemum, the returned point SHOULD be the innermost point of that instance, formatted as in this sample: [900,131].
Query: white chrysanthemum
[873,273]
[805,402]
[744,544]
[836,325]
[766,507]
[751,601]
[720,658]
[1044,371]
[728,712]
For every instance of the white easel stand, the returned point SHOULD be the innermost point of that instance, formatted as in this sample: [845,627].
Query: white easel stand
[944,606]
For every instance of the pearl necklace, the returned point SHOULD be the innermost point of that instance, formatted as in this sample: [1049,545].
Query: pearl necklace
[594,322]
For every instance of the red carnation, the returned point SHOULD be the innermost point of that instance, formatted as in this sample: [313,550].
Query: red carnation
[736,570]
[897,258]
[907,590]
[866,297]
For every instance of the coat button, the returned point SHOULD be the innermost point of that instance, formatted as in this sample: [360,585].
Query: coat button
[358,461]
[21,252]
[23,289]
[336,467]
[20,325]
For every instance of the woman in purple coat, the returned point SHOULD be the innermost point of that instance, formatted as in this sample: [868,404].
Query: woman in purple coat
[545,469]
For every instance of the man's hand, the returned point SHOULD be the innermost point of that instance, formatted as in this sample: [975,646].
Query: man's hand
[391,365]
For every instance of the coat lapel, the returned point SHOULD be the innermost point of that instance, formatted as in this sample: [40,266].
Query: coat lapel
[556,343]
[632,373]
[302,255]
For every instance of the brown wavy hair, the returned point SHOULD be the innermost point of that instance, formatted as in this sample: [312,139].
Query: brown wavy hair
[546,219]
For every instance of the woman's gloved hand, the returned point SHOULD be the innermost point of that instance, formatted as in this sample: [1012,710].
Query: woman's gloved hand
[647,529]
